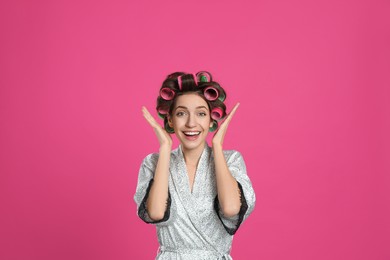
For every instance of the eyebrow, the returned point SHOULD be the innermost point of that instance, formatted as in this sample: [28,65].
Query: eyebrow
[187,107]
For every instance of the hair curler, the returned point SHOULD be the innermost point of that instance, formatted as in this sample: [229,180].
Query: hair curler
[162,112]
[179,80]
[211,93]
[214,126]
[195,79]
[167,93]
[216,113]
[203,76]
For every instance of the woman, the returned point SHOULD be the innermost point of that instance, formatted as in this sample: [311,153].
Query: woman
[196,195]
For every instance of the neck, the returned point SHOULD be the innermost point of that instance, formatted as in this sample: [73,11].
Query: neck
[192,156]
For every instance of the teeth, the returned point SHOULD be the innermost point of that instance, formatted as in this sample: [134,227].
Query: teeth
[191,133]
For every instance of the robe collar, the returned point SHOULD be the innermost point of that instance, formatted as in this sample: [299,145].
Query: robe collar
[180,175]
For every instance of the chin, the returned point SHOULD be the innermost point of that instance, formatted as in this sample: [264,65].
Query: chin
[190,145]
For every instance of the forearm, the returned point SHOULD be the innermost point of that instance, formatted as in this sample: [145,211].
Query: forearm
[158,194]
[228,191]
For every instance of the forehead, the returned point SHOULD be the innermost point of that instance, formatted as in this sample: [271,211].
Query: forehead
[190,101]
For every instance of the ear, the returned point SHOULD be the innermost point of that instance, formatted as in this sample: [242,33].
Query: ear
[170,123]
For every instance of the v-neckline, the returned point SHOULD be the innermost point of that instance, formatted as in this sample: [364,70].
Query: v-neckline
[189,179]
[204,153]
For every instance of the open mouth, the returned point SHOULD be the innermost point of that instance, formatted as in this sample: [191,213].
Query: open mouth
[191,133]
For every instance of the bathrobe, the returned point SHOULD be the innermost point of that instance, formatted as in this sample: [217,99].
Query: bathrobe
[193,226]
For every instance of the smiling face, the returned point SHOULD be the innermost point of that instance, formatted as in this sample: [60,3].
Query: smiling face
[191,121]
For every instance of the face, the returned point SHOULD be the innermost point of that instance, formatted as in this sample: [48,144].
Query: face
[191,121]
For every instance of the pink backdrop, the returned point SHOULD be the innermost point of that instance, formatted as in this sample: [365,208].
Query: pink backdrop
[313,126]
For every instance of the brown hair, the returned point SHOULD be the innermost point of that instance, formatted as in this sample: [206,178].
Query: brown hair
[179,83]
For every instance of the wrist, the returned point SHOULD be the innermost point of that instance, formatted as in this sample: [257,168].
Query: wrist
[217,147]
[165,148]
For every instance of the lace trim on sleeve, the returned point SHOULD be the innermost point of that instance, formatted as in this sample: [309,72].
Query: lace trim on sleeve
[143,213]
[236,221]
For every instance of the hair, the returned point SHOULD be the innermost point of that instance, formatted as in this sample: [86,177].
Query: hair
[201,83]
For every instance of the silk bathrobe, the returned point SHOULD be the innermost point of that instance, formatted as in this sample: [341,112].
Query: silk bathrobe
[193,226]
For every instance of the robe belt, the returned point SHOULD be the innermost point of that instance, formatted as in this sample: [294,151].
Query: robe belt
[202,252]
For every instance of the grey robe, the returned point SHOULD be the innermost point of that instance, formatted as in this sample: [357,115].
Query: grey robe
[193,226]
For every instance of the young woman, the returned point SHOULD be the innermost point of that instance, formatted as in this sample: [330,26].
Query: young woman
[196,195]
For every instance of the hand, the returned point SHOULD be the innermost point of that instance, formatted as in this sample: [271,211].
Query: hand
[163,136]
[220,134]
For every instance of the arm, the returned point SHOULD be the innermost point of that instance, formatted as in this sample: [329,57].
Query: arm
[228,190]
[237,168]
[236,197]
[158,195]
[227,186]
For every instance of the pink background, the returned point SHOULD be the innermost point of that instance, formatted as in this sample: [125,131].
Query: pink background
[313,81]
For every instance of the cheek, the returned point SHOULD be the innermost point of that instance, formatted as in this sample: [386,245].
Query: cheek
[177,122]
[207,122]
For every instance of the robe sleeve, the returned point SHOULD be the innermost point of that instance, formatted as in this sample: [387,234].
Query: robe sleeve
[237,168]
[145,182]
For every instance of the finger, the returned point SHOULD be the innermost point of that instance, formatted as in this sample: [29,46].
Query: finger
[223,127]
[145,111]
[149,117]
[230,115]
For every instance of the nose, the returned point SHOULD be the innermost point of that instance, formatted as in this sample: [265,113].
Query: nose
[190,121]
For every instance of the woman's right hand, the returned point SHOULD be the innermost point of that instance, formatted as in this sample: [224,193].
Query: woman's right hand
[163,136]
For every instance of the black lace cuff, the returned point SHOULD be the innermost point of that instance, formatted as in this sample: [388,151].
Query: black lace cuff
[143,213]
[241,213]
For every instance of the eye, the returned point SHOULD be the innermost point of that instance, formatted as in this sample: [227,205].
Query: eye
[180,113]
[202,114]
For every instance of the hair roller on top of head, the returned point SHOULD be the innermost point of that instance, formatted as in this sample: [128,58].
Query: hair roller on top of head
[203,76]
[179,82]
[184,81]
[195,79]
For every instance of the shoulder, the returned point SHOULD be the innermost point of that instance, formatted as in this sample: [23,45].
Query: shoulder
[150,161]
[235,163]
[175,153]
[232,155]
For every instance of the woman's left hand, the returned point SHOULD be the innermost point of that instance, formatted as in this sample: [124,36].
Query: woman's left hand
[220,134]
